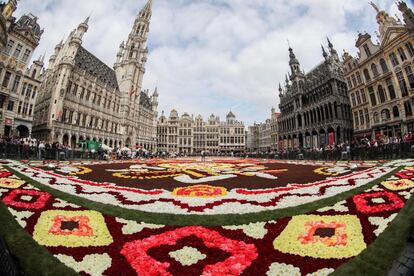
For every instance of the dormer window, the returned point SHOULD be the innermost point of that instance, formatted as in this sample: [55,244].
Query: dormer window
[367,50]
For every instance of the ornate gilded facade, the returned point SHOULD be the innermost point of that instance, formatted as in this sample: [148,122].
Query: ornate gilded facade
[188,135]
[84,99]
[315,109]
[19,83]
[381,78]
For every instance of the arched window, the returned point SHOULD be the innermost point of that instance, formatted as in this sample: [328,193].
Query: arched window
[385,115]
[374,70]
[381,94]
[34,73]
[366,75]
[408,109]
[395,112]
[131,50]
[384,66]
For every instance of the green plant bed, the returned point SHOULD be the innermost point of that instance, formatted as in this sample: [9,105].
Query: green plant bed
[33,258]
[379,256]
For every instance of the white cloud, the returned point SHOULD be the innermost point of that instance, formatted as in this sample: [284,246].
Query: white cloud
[210,56]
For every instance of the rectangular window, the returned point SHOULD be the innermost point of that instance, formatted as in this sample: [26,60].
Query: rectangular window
[24,88]
[367,50]
[31,110]
[364,98]
[366,116]
[18,50]
[394,60]
[10,106]
[75,89]
[25,107]
[361,117]
[402,54]
[34,92]
[82,93]
[403,84]
[372,96]
[391,89]
[9,46]
[356,119]
[354,80]
[19,109]
[26,55]
[410,48]
[358,76]
[349,83]
[16,83]
[408,110]
[410,76]
[358,97]
[69,87]
[6,79]
[29,90]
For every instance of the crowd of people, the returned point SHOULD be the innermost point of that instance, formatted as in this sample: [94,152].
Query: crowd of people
[365,147]
[380,146]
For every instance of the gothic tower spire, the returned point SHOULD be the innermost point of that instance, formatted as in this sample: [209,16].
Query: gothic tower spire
[293,63]
[407,13]
[130,68]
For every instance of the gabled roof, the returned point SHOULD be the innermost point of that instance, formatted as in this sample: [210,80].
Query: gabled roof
[95,67]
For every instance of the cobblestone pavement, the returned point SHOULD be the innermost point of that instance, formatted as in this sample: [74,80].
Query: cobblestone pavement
[404,265]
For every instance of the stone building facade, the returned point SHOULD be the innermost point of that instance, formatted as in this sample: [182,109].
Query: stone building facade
[274,132]
[19,83]
[188,135]
[315,109]
[232,135]
[263,137]
[252,138]
[381,79]
[84,99]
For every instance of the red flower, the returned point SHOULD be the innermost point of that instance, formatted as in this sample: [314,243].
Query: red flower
[5,174]
[405,174]
[13,199]
[242,254]
[365,205]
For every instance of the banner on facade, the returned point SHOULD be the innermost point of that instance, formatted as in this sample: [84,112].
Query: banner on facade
[331,138]
[323,139]
[8,121]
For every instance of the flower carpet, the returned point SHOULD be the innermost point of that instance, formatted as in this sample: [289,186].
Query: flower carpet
[211,188]
[332,219]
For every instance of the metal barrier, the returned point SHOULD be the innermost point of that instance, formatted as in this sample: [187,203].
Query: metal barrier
[382,152]
[8,266]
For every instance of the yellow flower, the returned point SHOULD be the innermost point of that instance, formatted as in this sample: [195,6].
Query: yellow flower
[72,229]
[290,241]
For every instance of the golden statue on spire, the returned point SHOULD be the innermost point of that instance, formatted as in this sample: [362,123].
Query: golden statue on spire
[9,8]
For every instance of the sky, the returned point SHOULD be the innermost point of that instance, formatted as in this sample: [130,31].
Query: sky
[213,56]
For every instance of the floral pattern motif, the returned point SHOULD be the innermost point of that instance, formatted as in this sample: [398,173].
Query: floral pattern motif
[309,244]
[341,237]
[14,198]
[79,229]
[241,254]
[200,191]
[365,203]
